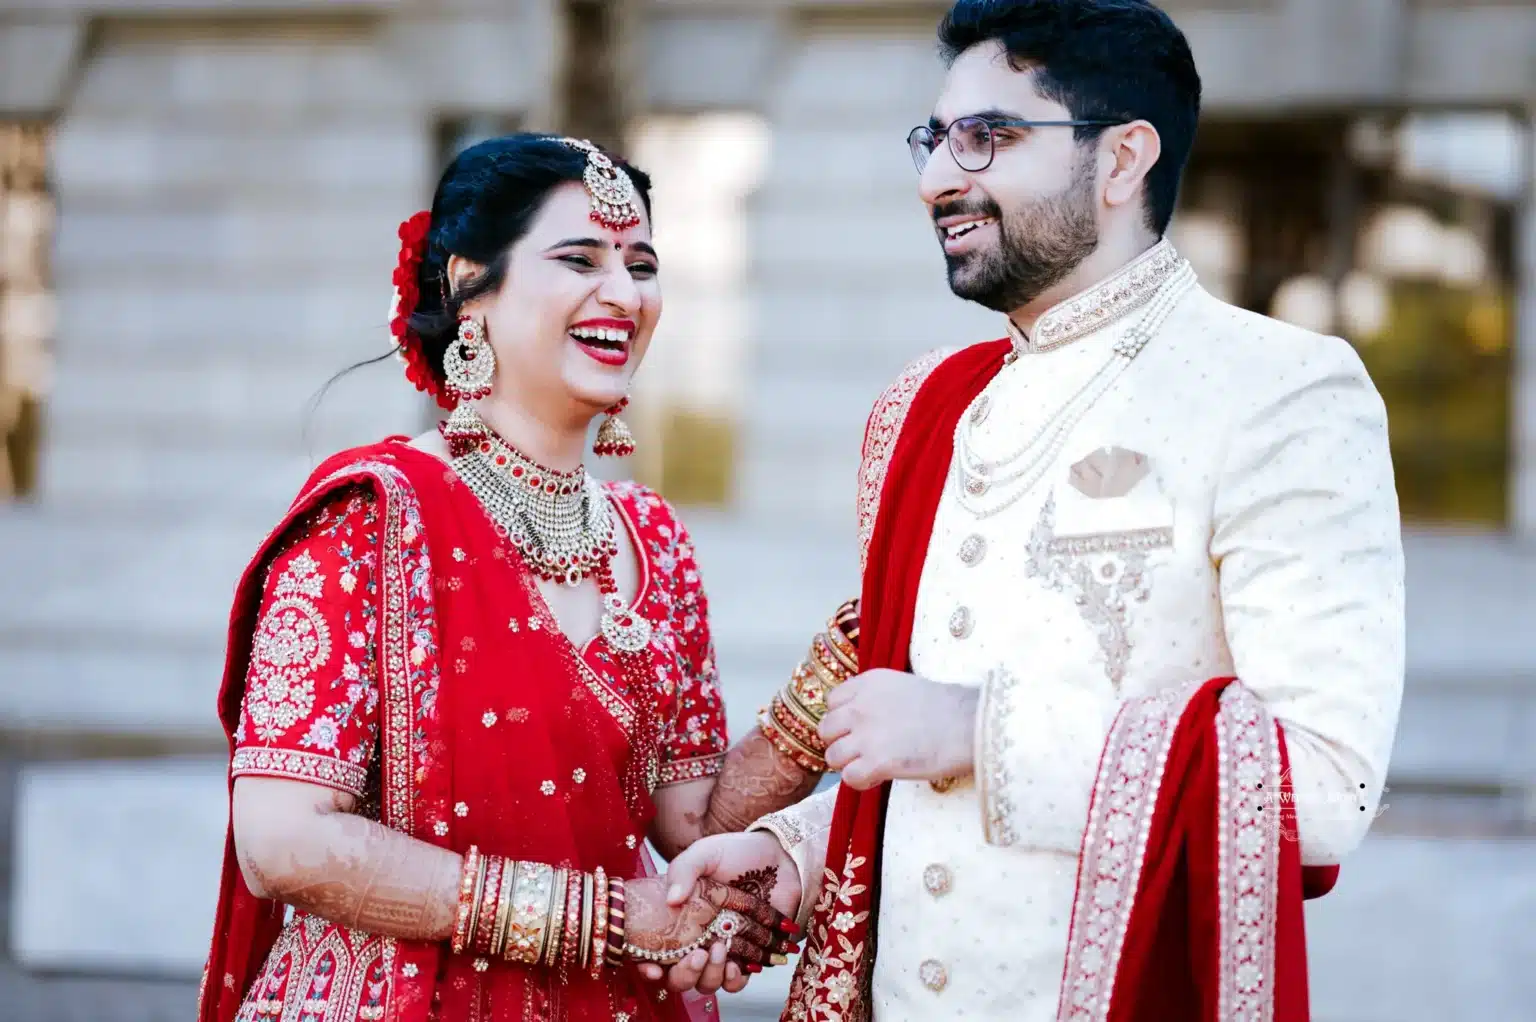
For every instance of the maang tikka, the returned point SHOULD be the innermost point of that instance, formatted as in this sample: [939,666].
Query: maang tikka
[614,440]
[615,203]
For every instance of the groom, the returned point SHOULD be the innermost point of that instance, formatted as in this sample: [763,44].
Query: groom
[1132,609]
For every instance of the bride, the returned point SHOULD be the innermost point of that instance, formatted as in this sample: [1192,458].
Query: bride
[466,681]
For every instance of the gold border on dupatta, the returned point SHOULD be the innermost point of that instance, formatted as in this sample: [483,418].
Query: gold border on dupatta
[1119,825]
[397,709]
[885,422]
[1248,865]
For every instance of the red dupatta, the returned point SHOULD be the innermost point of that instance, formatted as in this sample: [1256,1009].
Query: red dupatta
[1169,923]
[492,731]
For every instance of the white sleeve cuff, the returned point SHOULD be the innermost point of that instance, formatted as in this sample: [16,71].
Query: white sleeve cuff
[802,831]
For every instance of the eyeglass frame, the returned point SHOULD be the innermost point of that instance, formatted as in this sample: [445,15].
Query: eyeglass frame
[992,124]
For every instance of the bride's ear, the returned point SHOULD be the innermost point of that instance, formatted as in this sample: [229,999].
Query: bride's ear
[461,272]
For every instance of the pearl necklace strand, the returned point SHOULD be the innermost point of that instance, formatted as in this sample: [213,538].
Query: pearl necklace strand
[976,478]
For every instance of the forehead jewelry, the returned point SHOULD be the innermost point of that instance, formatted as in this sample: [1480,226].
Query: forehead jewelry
[615,204]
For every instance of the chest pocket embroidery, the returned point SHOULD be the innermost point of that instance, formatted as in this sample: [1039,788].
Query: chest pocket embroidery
[1105,573]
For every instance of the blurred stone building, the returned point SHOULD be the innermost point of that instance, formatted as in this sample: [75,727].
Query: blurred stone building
[199,197]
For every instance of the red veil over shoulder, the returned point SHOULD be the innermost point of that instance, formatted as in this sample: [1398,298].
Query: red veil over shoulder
[1210,926]
[462,634]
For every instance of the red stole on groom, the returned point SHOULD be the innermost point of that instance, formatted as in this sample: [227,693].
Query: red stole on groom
[1207,925]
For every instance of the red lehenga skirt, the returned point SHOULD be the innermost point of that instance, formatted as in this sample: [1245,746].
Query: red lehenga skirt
[484,726]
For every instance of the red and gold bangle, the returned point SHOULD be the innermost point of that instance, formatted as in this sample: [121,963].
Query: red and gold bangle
[570,922]
[789,747]
[599,922]
[503,908]
[481,937]
[824,654]
[615,956]
[468,879]
[789,716]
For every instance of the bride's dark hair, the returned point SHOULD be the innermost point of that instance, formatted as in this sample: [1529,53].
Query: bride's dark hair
[485,202]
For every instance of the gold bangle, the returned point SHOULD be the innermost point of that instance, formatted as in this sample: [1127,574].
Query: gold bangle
[503,910]
[587,909]
[549,954]
[530,904]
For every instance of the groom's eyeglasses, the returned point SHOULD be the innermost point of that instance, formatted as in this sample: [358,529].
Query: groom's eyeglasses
[972,139]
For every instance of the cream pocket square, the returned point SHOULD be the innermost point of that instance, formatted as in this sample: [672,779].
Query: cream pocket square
[1108,472]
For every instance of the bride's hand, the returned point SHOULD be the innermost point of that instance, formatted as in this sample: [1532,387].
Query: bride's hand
[662,931]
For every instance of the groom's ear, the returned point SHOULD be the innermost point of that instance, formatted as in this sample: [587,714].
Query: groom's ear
[1129,151]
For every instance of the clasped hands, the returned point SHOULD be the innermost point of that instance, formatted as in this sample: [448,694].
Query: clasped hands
[880,726]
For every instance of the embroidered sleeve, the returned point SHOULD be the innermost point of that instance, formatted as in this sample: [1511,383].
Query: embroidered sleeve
[1308,545]
[694,745]
[802,831]
[310,711]
[1037,757]
[880,434]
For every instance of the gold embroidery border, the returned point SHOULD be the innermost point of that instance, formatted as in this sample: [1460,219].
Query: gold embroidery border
[254,761]
[694,768]
[1119,824]
[1248,803]
[1123,292]
[994,744]
[880,436]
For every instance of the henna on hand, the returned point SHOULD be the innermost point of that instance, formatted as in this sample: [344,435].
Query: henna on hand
[366,876]
[307,848]
[755,780]
[653,925]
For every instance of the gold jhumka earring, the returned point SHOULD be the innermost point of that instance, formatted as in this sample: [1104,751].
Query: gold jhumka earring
[614,440]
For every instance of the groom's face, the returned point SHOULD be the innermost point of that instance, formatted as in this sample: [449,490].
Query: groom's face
[1019,226]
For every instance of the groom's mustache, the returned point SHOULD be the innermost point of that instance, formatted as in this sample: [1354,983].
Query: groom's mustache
[977,208]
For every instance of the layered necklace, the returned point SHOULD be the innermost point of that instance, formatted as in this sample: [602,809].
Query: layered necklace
[986,484]
[561,523]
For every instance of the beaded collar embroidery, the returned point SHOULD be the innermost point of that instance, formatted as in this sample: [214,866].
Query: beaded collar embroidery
[1116,296]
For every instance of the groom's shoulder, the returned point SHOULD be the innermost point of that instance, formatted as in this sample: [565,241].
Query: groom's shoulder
[890,408]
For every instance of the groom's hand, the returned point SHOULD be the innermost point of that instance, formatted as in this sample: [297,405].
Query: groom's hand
[754,863]
[885,726]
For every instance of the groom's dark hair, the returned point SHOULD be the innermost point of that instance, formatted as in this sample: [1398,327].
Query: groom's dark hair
[1116,60]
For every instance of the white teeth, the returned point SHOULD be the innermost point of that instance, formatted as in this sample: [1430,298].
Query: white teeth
[961,230]
[609,335]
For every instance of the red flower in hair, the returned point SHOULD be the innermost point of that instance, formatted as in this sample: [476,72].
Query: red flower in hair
[413,249]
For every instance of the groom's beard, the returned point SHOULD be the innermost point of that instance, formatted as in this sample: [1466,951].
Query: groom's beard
[1038,246]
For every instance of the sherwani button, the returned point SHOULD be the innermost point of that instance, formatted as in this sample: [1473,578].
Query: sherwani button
[980,409]
[938,879]
[972,550]
[933,974]
[960,622]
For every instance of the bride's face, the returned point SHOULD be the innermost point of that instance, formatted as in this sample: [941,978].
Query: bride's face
[576,311]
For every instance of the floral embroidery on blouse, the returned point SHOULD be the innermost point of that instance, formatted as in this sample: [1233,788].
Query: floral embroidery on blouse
[311,709]
[311,697]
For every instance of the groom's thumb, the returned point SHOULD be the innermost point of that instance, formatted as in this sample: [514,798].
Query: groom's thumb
[687,868]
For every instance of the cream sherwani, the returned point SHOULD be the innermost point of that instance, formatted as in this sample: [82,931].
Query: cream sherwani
[1260,539]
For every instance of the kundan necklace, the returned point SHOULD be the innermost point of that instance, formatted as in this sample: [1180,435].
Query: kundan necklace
[561,523]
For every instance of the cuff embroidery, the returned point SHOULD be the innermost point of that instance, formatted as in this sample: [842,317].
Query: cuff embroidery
[300,766]
[993,748]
